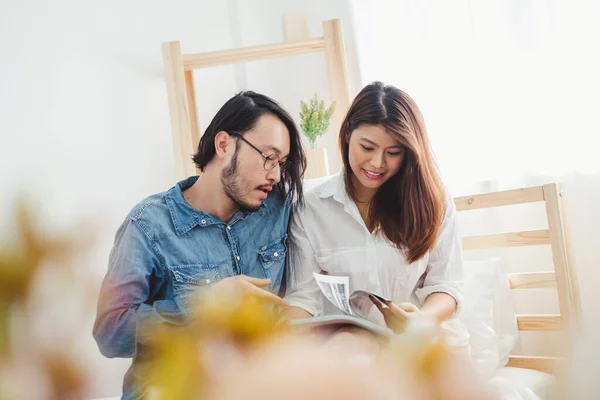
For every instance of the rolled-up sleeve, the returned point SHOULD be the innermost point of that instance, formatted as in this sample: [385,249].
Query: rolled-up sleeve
[302,289]
[444,273]
[125,318]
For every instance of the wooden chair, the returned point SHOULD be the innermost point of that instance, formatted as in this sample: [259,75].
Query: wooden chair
[562,277]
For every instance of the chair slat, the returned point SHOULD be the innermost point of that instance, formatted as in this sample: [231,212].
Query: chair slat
[539,322]
[509,239]
[497,199]
[532,280]
[543,364]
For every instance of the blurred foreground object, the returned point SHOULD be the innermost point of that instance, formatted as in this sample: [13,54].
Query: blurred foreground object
[236,350]
[230,350]
[32,368]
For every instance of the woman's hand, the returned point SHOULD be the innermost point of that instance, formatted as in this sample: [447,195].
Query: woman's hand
[397,316]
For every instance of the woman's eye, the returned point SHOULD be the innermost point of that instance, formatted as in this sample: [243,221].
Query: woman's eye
[366,148]
[395,154]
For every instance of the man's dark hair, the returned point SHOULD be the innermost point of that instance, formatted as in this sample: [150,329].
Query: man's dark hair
[240,114]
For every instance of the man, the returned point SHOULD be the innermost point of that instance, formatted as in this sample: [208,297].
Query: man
[222,232]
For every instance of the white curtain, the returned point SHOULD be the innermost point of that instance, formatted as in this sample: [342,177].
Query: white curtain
[510,94]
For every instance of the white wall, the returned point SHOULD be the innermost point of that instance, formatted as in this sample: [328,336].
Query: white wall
[84,124]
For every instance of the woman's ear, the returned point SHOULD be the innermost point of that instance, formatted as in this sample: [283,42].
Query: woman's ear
[347,136]
[347,131]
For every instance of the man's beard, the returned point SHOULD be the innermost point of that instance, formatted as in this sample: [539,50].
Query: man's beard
[234,185]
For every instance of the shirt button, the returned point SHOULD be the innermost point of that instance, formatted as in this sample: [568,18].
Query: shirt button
[238,258]
[207,281]
[228,227]
[276,254]
[203,222]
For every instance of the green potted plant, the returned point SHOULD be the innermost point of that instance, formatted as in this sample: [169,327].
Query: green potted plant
[315,120]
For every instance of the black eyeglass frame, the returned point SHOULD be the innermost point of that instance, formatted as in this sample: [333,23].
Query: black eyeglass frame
[283,166]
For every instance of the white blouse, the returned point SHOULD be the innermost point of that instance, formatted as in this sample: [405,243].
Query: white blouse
[327,234]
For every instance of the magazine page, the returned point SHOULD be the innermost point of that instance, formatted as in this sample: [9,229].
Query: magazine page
[362,305]
[336,289]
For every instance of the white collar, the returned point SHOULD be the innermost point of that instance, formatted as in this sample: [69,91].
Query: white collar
[336,188]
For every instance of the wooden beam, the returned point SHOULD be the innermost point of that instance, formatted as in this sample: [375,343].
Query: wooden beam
[568,286]
[178,109]
[539,322]
[253,53]
[532,280]
[338,75]
[497,199]
[191,98]
[543,364]
[509,239]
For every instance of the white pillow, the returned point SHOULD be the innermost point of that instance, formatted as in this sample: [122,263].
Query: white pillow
[505,319]
[489,314]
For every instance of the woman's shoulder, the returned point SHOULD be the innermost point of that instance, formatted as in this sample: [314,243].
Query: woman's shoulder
[449,201]
[321,188]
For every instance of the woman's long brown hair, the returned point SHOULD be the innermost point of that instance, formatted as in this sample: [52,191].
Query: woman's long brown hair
[409,208]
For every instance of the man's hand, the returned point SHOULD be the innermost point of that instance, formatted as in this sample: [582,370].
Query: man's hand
[243,286]
[291,313]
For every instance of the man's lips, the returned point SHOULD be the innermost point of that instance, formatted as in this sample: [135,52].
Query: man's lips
[264,191]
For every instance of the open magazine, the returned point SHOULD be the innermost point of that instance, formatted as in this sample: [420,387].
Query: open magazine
[356,307]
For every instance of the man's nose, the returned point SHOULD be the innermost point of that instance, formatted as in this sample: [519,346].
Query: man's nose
[274,175]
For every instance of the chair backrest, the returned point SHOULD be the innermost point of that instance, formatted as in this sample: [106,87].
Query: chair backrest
[562,277]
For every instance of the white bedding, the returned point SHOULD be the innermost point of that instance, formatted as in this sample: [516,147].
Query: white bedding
[490,318]
[522,384]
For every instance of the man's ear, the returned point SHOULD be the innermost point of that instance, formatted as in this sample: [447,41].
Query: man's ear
[223,143]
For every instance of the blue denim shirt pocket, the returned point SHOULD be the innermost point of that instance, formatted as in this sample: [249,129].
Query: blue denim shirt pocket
[191,282]
[272,257]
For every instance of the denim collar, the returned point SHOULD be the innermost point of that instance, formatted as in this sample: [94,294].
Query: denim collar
[185,217]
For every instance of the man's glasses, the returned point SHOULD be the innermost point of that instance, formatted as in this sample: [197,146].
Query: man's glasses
[270,161]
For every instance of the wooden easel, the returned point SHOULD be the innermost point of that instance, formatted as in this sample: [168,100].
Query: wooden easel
[180,80]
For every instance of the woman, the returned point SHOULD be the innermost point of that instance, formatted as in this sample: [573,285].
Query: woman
[385,221]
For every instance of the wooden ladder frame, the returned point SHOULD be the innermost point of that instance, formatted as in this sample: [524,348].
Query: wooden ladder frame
[182,97]
[562,277]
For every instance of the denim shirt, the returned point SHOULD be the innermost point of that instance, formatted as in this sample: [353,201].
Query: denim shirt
[166,252]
